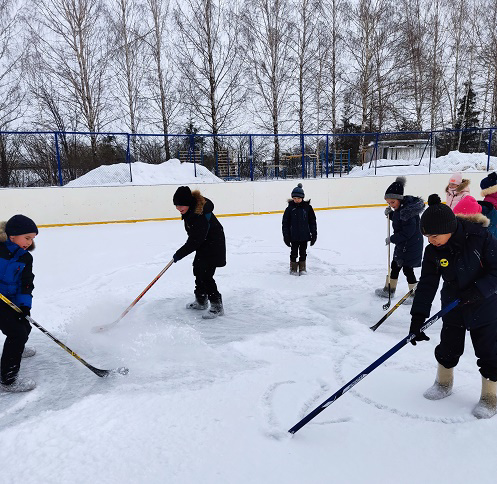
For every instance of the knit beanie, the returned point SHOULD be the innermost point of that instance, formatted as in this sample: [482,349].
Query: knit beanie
[20,225]
[396,189]
[438,218]
[489,181]
[467,206]
[183,196]
[456,178]
[298,191]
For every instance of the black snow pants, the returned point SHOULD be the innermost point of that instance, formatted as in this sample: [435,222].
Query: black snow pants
[205,285]
[295,248]
[17,332]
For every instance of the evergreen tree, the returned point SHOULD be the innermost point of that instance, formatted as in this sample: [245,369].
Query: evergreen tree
[467,119]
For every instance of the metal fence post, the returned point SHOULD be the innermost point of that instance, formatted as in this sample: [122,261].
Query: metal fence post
[128,157]
[431,149]
[489,149]
[302,149]
[57,154]
[348,161]
[375,153]
[251,159]
[327,155]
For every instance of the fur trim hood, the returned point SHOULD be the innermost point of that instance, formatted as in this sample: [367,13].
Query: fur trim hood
[202,205]
[463,186]
[3,236]
[489,191]
[476,218]
[411,207]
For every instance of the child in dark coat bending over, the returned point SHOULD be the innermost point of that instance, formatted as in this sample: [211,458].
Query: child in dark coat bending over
[464,255]
[299,227]
[206,239]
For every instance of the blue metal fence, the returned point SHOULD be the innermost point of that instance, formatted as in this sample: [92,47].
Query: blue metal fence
[47,158]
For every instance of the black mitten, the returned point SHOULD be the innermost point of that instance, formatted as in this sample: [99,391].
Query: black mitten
[417,321]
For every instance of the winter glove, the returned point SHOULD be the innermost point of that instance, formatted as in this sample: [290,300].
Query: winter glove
[313,239]
[387,240]
[25,312]
[175,258]
[287,241]
[388,211]
[470,295]
[417,321]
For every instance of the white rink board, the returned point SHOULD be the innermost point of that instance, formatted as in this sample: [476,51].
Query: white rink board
[68,205]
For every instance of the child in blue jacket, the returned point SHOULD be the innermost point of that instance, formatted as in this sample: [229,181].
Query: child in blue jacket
[16,283]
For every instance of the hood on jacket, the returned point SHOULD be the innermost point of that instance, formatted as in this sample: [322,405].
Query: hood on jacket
[476,218]
[411,206]
[202,205]
[489,191]
[3,236]
[463,186]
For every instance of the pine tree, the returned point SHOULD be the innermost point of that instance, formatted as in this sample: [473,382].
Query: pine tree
[467,119]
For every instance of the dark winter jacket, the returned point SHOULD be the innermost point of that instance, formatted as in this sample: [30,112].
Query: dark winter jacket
[489,211]
[16,271]
[299,222]
[205,234]
[406,233]
[468,259]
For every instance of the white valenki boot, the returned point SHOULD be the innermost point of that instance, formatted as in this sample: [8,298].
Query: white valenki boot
[487,406]
[410,299]
[384,292]
[20,385]
[443,384]
[29,351]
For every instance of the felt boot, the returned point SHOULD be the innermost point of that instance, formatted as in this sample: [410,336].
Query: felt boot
[384,292]
[443,384]
[487,406]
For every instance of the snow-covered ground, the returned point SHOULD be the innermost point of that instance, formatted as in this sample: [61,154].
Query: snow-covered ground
[172,171]
[211,401]
[452,162]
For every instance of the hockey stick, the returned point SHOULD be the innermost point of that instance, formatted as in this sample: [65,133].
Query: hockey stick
[371,367]
[387,305]
[382,320]
[121,370]
[105,327]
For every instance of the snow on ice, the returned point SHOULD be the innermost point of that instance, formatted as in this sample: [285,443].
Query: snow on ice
[211,401]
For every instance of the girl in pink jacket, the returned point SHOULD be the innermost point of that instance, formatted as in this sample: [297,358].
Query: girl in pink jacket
[456,190]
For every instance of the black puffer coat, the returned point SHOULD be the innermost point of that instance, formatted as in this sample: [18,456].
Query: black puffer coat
[468,259]
[407,236]
[205,234]
[299,222]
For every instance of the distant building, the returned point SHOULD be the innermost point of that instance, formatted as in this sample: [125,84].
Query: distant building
[401,150]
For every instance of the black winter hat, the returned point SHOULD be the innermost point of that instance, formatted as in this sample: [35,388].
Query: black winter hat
[396,189]
[298,191]
[19,225]
[438,218]
[489,181]
[183,196]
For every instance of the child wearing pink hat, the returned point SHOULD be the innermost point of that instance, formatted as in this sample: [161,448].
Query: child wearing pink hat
[456,190]
[482,213]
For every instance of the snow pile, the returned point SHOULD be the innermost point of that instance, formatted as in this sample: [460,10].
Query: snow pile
[453,161]
[171,172]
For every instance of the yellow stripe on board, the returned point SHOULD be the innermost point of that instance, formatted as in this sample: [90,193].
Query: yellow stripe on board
[217,215]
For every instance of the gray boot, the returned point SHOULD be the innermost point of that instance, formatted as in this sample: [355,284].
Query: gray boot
[443,384]
[215,310]
[487,406]
[410,299]
[20,385]
[384,292]
[293,268]
[200,302]
[302,268]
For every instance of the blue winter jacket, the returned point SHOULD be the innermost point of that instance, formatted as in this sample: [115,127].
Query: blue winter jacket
[491,213]
[16,272]
[469,259]
[406,233]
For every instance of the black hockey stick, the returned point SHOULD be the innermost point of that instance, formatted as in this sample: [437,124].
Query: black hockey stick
[383,319]
[371,367]
[122,370]
[387,305]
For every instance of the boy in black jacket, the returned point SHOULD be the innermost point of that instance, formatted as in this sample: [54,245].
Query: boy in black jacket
[16,283]
[206,239]
[464,254]
[299,227]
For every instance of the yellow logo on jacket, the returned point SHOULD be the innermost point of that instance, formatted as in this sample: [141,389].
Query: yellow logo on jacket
[444,262]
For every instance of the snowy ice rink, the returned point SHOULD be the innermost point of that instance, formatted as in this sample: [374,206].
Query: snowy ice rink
[211,401]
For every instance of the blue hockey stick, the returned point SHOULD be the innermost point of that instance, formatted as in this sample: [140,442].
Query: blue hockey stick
[371,367]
